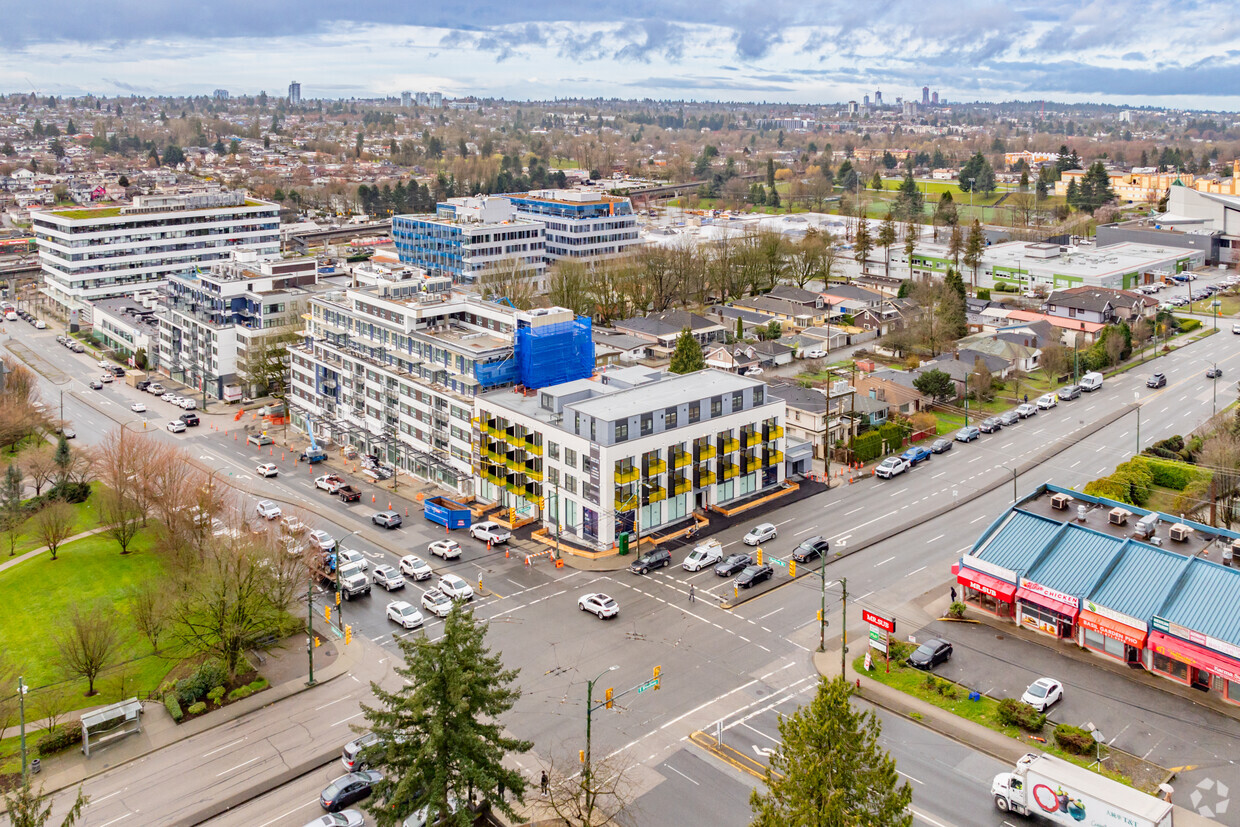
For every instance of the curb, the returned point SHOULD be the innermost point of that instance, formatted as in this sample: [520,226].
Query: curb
[317,761]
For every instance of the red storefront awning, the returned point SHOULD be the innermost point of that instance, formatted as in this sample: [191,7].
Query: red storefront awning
[1045,602]
[1112,629]
[1194,655]
[986,584]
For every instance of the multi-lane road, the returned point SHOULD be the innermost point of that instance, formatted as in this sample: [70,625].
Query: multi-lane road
[719,666]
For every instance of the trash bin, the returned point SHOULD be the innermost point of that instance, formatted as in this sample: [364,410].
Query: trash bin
[35,766]
[622,543]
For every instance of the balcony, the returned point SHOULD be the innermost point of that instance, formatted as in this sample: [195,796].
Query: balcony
[728,444]
[704,477]
[681,458]
[704,452]
[626,474]
[654,467]
[535,474]
[495,431]
[533,447]
[773,432]
[656,493]
[728,470]
[681,485]
[624,501]
[749,437]
[772,457]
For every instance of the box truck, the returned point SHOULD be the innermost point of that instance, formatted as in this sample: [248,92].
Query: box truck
[1063,793]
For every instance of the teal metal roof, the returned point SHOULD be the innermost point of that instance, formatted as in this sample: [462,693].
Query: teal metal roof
[1074,559]
[1205,600]
[1016,543]
[1138,581]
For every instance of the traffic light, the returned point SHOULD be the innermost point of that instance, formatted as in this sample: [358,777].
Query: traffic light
[657,681]
[581,755]
[337,598]
[792,568]
[609,701]
[348,635]
[758,556]
[820,615]
[327,611]
[317,642]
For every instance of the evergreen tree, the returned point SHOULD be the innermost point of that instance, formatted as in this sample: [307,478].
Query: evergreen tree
[773,199]
[440,740]
[956,283]
[863,244]
[1074,194]
[936,384]
[688,354]
[974,245]
[1024,180]
[910,247]
[12,514]
[1041,190]
[956,245]
[910,199]
[830,770]
[770,172]
[876,183]
[63,459]
[886,238]
[740,329]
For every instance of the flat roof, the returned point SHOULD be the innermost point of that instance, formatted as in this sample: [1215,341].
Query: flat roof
[667,392]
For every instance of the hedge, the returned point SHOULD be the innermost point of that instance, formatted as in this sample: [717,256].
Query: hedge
[258,685]
[198,708]
[1074,739]
[201,681]
[63,737]
[174,707]
[1012,712]
[1174,475]
[983,294]
[868,446]
[1189,325]
[240,692]
[1109,488]
[893,434]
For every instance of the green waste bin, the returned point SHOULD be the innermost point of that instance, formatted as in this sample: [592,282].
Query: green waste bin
[622,543]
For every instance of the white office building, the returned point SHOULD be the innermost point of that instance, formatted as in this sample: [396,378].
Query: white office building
[468,237]
[580,224]
[105,252]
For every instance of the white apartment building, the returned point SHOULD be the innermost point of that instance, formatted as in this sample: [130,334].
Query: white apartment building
[467,237]
[636,449]
[580,224]
[105,252]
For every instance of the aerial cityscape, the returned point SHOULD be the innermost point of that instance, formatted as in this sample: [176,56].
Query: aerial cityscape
[648,415]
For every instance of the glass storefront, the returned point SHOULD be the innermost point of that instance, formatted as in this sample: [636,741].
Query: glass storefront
[987,603]
[1044,620]
[1172,668]
[1106,645]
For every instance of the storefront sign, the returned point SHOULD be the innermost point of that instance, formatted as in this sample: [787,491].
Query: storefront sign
[886,624]
[983,566]
[878,640]
[986,584]
[1118,617]
[1221,646]
[1037,588]
[1034,621]
[1112,629]
[1194,656]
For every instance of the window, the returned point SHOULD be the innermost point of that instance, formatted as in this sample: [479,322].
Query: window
[553,475]
[695,412]
[759,395]
[570,457]
[593,438]
[553,450]
[647,424]
[622,431]
[716,406]
[669,418]
[738,400]
[570,484]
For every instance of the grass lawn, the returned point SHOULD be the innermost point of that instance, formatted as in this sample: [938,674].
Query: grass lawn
[86,519]
[85,571]
[1230,306]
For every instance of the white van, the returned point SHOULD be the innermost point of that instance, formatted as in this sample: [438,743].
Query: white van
[1091,381]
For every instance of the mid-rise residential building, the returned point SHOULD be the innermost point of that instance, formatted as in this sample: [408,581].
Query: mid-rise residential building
[635,450]
[125,327]
[225,330]
[406,98]
[294,93]
[422,99]
[105,252]
[221,94]
[580,224]
[470,237]
[435,100]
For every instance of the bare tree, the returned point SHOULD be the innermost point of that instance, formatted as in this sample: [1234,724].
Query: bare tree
[148,608]
[123,517]
[88,643]
[1114,346]
[50,703]
[40,467]
[1054,360]
[1220,452]
[805,262]
[512,279]
[599,796]
[981,383]
[568,286]
[54,524]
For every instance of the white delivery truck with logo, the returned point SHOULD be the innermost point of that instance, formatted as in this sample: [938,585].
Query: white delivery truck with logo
[1063,793]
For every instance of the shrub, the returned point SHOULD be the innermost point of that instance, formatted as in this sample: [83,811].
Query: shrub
[240,692]
[1012,712]
[1111,489]
[868,446]
[1173,475]
[956,610]
[1074,739]
[983,294]
[1138,477]
[201,681]
[62,737]
[174,707]
[258,685]
[215,694]
[893,434]
[1189,325]
[197,709]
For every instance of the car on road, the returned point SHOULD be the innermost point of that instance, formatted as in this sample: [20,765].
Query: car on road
[1158,380]
[388,577]
[404,613]
[1235,328]
[1047,401]
[1026,410]
[989,425]
[267,470]
[447,549]
[930,654]
[490,532]
[1069,392]
[1042,693]
[267,510]
[348,556]
[703,555]
[188,404]
[811,549]
[891,467]
[329,483]
[190,419]
[351,755]
[968,433]
[325,541]
[344,818]
[753,575]
[436,602]
[387,519]
[95,385]
[651,560]
[292,526]
[915,454]
[760,533]
[176,426]
[598,604]
[169,396]
[67,433]
[733,563]
[106,378]
[1214,372]
[1009,418]
[347,789]
[941,445]
[415,567]
[455,587]
[155,388]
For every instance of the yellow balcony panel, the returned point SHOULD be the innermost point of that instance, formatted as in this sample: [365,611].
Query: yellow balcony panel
[681,458]
[533,474]
[627,503]
[729,445]
[682,486]
[537,450]
[774,432]
[773,457]
[655,467]
[706,478]
[656,494]
[627,475]
[705,452]
[728,471]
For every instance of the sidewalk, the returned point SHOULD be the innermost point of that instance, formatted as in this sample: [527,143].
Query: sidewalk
[13,561]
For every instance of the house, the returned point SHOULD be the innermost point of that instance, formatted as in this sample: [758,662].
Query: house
[837,293]
[1100,304]
[613,348]
[894,389]
[727,316]
[1019,350]
[808,298]
[894,314]
[817,415]
[997,366]
[663,329]
[1068,329]
[772,352]
[832,337]
[732,358]
[785,312]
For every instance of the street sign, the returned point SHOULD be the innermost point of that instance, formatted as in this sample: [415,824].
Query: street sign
[886,624]
[647,685]
[775,562]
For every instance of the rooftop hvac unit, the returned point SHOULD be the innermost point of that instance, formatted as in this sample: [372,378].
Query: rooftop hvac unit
[1146,526]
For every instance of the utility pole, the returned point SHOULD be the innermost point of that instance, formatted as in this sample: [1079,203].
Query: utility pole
[822,609]
[310,626]
[21,700]
[557,519]
[843,624]
[585,771]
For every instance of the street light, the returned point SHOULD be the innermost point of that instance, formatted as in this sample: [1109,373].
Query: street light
[1136,398]
[1013,470]
[822,610]
[21,699]
[589,715]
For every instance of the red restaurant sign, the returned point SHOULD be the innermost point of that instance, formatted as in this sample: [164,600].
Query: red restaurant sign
[883,623]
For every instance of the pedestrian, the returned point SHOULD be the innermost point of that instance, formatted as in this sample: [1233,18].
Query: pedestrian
[1026,399]
[543,783]
[691,598]
[953,594]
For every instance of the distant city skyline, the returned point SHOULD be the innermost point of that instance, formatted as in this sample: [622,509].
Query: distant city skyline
[778,51]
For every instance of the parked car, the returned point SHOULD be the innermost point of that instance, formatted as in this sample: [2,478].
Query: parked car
[813,353]
[599,604]
[415,567]
[1042,693]
[1069,392]
[1214,372]
[915,454]
[267,510]
[176,426]
[455,587]
[188,404]
[404,613]
[436,602]
[1009,418]
[811,549]
[968,434]
[447,549]
[1026,410]
[760,533]
[267,470]
[941,445]
[387,519]
[753,575]
[703,555]
[344,818]
[347,789]
[258,440]
[67,433]
[1158,380]
[388,577]
[930,654]
[155,388]
[989,425]
[95,385]
[733,563]
[1047,401]
[350,756]
[651,560]
[490,532]
[891,467]
[106,378]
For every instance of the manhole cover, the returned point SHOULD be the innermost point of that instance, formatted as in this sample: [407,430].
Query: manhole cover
[999,637]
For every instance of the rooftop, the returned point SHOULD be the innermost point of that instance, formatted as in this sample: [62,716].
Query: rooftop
[667,392]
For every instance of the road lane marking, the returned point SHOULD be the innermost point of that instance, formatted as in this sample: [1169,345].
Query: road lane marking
[898,493]
[239,766]
[932,539]
[350,718]
[329,703]
[802,531]
[909,777]
[1073,465]
[768,614]
[914,571]
[119,818]
[777,525]
[207,754]
[855,510]
[884,562]
[682,775]
[936,476]
[708,703]
[122,789]
[282,816]
[975,519]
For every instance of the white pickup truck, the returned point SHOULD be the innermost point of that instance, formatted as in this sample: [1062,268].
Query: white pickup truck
[705,554]
[329,483]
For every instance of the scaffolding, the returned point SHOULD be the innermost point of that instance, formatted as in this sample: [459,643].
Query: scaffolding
[554,353]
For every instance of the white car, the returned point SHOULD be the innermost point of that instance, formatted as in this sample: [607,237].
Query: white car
[415,567]
[388,577]
[455,587]
[138,407]
[436,602]
[1042,693]
[329,483]
[404,613]
[176,426]
[267,510]
[168,396]
[348,556]
[155,388]
[188,404]
[598,604]
[891,467]
[106,378]
[1047,401]
[754,372]
[490,532]
[267,470]
[760,534]
[1235,328]
[447,549]
[707,554]
[326,542]
[813,353]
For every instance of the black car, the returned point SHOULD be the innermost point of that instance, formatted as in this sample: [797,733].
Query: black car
[1009,417]
[940,446]
[118,371]
[990,425]
[1158,380]
[811,549]
[347,789]
[930,654]
[387,519]
[1214,372]
[143,384]
[190,419]
[732,564]
[656,559]
[752,575]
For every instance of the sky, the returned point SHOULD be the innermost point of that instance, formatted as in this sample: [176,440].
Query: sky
[1166,53]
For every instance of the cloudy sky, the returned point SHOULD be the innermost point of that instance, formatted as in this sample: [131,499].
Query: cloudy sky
[1138,52]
